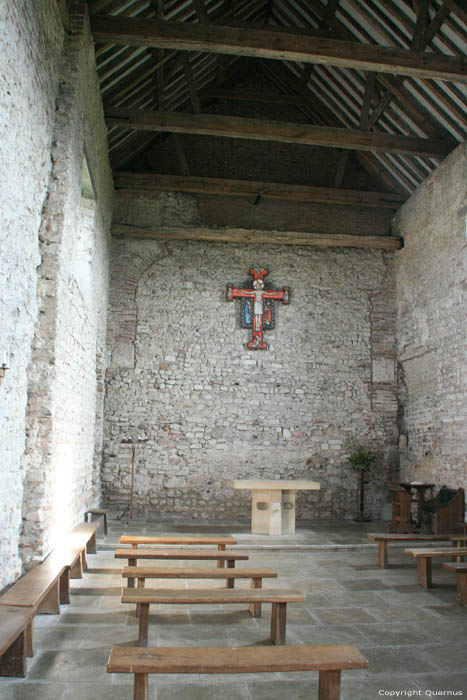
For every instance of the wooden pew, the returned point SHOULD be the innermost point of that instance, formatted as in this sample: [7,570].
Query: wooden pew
[146,540]
[199,596]
[424,557]
[460,569]
[166,554]
[382,539]
[141,573]
[328,659]
[16,639]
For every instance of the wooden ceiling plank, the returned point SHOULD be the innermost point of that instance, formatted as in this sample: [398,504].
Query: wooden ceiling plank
[201,11]
[254,236]
[128,181]
[266,43]
[316,109]
[285,132]
[192,89]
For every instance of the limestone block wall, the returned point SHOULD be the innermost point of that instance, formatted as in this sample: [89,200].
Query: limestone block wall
[203,410]
[31,42]
[53,278]
[65,387]
[431,273]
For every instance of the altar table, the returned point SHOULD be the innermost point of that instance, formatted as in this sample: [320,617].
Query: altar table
[273,504]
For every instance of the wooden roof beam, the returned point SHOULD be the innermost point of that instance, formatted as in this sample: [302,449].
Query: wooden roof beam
[266,130]
[279,45]
[127,182]
[254,236]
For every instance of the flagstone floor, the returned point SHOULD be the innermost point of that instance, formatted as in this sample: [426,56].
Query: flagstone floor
[415,639]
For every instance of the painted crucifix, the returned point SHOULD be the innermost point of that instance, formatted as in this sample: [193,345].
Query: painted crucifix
[257,306]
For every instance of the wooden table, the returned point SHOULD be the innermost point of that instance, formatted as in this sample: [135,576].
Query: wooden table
[273,504]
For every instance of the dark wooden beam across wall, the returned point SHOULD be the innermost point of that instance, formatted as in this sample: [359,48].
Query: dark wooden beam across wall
[130,185]
[296,46]
[253,236]
[266,130]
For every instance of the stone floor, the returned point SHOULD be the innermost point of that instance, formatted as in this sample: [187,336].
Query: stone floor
[415,639]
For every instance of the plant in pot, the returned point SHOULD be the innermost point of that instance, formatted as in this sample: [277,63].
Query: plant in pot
[362,461]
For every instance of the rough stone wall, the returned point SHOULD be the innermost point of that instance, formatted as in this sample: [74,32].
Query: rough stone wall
[204,410]
[431,273]
[31,41]
[63,397]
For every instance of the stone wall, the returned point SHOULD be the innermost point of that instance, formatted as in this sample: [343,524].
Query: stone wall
[203,410]
[431,273]
[53,323]
[31,40]
[63,395]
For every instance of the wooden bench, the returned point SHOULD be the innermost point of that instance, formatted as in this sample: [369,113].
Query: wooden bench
[146,540]
[190,554]
[460,569]
[382,539]
[199,596]
[47,585]
[328,659]
[255,575]
[16,639]
[100,513]
[424,557]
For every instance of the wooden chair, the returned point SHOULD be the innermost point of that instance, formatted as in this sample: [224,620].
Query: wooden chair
[401,521]
[442,513]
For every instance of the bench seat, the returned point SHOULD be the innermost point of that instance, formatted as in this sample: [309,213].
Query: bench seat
[382,539]
[190,554]
[424,557]
[144,597]
[16,639]
[39,588]
[141,573]
[328,659]
[460,568]
[146,540]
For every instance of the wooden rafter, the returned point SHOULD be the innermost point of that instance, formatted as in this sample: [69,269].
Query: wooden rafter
[254,236]
[278,45]
[126,182]
[285,132]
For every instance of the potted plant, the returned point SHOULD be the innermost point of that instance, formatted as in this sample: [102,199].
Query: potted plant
[362,461]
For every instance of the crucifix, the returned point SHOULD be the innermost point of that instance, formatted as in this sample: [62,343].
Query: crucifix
[257,306]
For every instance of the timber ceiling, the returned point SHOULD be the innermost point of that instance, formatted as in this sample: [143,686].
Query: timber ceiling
[352,97]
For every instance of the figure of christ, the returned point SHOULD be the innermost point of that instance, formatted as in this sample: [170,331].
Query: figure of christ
[258,295]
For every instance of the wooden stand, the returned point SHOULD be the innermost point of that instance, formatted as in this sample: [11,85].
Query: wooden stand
[401,521]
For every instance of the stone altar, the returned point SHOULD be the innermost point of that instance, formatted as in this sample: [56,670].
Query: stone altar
[273,504]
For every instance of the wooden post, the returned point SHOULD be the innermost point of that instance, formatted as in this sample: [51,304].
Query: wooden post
[383,554]
[143,624]
[140,686]
[424,571]
[255,608]
[131,581]
[278,623]
[329,685]
[132,487]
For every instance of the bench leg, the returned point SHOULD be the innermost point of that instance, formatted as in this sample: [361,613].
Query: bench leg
[140,687]
[278,623]
[329,685]
[230,583]
[461,596]
[140,585]
[29,638]
[13,660]
[76,570]
[383,554]
[50,604]
[231,564]
[91,545]
[424,571]
[255,608]
[65,587]
[220,563]
[131,581]
[105,523]
[143,624]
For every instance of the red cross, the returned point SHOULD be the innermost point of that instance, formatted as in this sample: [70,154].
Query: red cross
[258,294]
